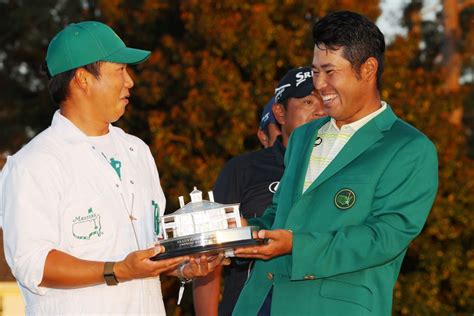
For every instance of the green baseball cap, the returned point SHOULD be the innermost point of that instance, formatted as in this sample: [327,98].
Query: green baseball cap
[83,43]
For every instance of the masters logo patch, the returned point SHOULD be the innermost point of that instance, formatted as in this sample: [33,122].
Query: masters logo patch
[84,227]
[344,199]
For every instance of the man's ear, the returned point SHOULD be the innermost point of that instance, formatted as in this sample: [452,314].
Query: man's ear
[81,79]
[263,138]
[369,69]
[279,113]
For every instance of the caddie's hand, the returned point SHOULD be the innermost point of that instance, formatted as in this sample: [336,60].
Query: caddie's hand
[137,264]
[279,243]
[201,266]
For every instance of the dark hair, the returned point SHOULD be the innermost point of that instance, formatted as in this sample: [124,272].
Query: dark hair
[58,85]
[359,38]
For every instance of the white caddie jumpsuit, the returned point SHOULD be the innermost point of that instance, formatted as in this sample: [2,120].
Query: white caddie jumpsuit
[58,192]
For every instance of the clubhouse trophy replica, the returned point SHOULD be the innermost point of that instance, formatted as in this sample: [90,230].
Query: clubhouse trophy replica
[203,226]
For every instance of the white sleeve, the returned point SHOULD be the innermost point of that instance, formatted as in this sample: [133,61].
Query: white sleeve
[1,199]
[157,190]
[30,199]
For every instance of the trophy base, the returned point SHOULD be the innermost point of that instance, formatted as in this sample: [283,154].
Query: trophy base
[208,242]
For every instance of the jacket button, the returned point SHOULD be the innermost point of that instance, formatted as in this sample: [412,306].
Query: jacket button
[309,277]
[270,276]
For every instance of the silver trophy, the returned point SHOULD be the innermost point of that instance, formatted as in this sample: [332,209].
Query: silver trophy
[203,226]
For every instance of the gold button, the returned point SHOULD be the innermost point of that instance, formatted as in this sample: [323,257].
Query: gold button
[309,277]
[270,276]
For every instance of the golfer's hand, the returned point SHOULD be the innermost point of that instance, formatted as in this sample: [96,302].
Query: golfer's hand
[279,243]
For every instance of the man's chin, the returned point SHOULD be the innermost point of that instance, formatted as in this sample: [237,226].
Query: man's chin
[116,118]
[119,114]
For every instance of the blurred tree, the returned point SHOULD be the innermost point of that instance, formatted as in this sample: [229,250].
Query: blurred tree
[438,269]
[27,26]
[453,48]
[25,108]
[467,72]
[214,66]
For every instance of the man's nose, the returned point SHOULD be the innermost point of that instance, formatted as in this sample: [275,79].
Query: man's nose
[128,80]
[319,111]
[319,82]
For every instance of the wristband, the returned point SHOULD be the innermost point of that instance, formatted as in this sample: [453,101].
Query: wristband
[182,279]
[109,275]
[179,273]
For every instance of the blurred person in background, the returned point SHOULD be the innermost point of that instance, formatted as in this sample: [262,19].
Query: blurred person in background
[269,129]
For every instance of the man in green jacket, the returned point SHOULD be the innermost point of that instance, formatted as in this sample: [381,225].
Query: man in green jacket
[357,189]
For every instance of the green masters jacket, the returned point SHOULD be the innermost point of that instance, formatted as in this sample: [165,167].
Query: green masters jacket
[351,227]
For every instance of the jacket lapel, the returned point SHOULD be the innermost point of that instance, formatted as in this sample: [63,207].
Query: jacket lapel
[362,140]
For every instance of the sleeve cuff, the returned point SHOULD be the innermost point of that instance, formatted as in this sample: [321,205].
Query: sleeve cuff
[29,272]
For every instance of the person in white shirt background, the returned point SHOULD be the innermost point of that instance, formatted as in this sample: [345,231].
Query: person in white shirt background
[80,203]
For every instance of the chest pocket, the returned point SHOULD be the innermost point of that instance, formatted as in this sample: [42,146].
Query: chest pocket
[88,226]
[343,201]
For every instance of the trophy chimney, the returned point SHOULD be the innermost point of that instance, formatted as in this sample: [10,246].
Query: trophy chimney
[181,201]
[210,194]
[196,195]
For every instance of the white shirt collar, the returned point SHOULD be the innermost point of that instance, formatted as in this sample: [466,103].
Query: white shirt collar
[354,126]
[71,133]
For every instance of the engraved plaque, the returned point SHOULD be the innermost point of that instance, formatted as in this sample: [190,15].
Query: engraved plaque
[208,242]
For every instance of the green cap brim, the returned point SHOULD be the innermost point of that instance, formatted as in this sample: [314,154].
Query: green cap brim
[126,55]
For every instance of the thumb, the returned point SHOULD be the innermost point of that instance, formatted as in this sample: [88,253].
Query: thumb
[150,252]
[264,234]
[269,234]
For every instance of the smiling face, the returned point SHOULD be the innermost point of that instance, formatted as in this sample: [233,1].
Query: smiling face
[301,111]
[298,111]
[110,92]
[347,95]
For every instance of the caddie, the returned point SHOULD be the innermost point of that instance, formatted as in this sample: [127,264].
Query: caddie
[80,203]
